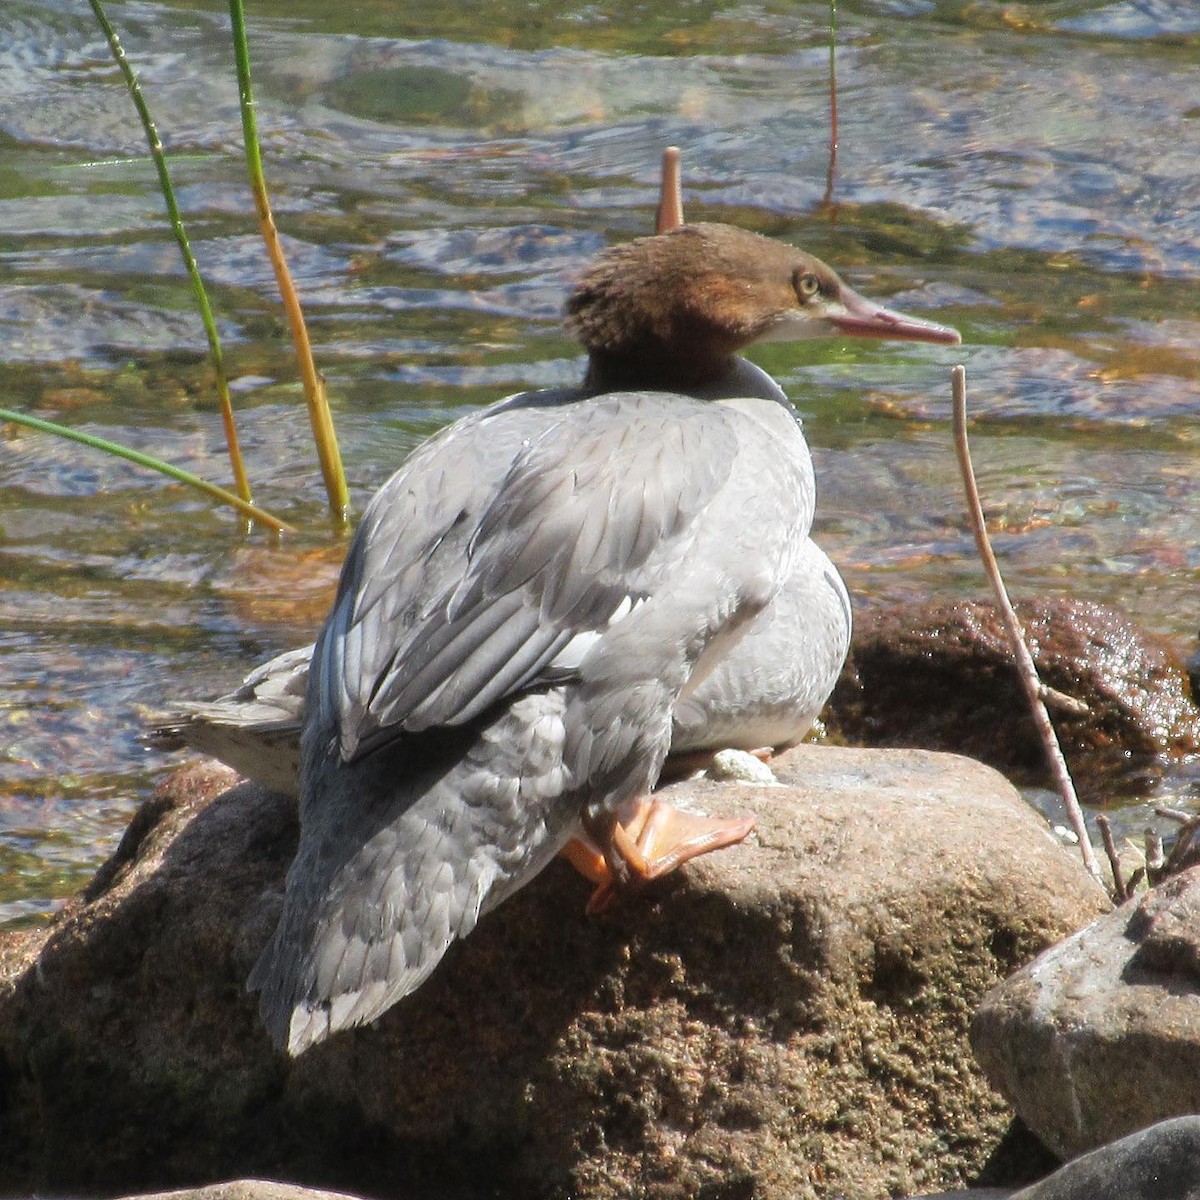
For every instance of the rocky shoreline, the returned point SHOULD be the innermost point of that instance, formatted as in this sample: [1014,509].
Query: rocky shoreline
[820,1012]
[792,1014]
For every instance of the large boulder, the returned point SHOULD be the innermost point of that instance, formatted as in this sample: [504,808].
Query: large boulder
[787,1018]
[1100,1035]
[941,677]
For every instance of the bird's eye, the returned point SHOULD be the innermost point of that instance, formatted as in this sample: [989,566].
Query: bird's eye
[807,285]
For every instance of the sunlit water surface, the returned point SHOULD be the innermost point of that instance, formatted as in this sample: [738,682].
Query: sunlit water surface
[1027,172]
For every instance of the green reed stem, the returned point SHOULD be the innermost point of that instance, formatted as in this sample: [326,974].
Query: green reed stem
[241,483]
[155,464]
[314,386]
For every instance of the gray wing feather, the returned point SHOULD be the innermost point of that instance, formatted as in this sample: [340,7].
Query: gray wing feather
[502,572]
[407,552]
[255,729]
[408,851]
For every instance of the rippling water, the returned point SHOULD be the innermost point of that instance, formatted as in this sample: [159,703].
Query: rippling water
[1027,172]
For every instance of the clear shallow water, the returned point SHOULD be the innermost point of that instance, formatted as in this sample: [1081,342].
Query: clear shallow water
[1028,172]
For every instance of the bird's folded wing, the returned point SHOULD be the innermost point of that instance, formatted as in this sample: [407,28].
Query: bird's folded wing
[466,588]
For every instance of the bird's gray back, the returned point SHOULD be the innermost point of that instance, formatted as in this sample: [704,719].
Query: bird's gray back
[501,541]
[524,605]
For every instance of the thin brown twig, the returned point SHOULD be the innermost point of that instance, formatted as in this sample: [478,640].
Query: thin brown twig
[670,193]
[1156,860]
[1121,890]
[1053,698]
[1175,814]
[1025,665]
[1183,843]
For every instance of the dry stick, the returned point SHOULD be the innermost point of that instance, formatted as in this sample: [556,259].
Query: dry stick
[1183,842]
[1175,814]
[670,194]
[1156,859]
[1025,667]
[1121,890]
[1053,698]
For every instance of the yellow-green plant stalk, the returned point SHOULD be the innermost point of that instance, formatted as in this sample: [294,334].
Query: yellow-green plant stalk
[155,464]
[240,481]
[314,385]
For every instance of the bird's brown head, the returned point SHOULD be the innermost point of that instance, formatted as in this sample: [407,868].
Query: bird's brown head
[672,310]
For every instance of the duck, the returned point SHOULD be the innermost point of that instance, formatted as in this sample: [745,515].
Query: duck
[549,598]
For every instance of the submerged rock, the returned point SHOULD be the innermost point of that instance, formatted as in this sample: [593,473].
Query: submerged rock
[784,1019]
[1100,1035]
[941,677]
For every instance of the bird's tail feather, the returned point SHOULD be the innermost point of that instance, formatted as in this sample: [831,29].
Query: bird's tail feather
[399,854]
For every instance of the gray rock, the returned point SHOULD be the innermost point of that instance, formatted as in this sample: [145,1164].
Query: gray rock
[247,1189]
[972,1194]
[1100,1035]
[784,1019]
[1166,927]
[1159,1163]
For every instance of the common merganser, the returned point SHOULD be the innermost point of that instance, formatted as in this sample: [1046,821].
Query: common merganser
[548,596]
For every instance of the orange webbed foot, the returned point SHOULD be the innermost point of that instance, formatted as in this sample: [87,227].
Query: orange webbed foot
[653,843]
